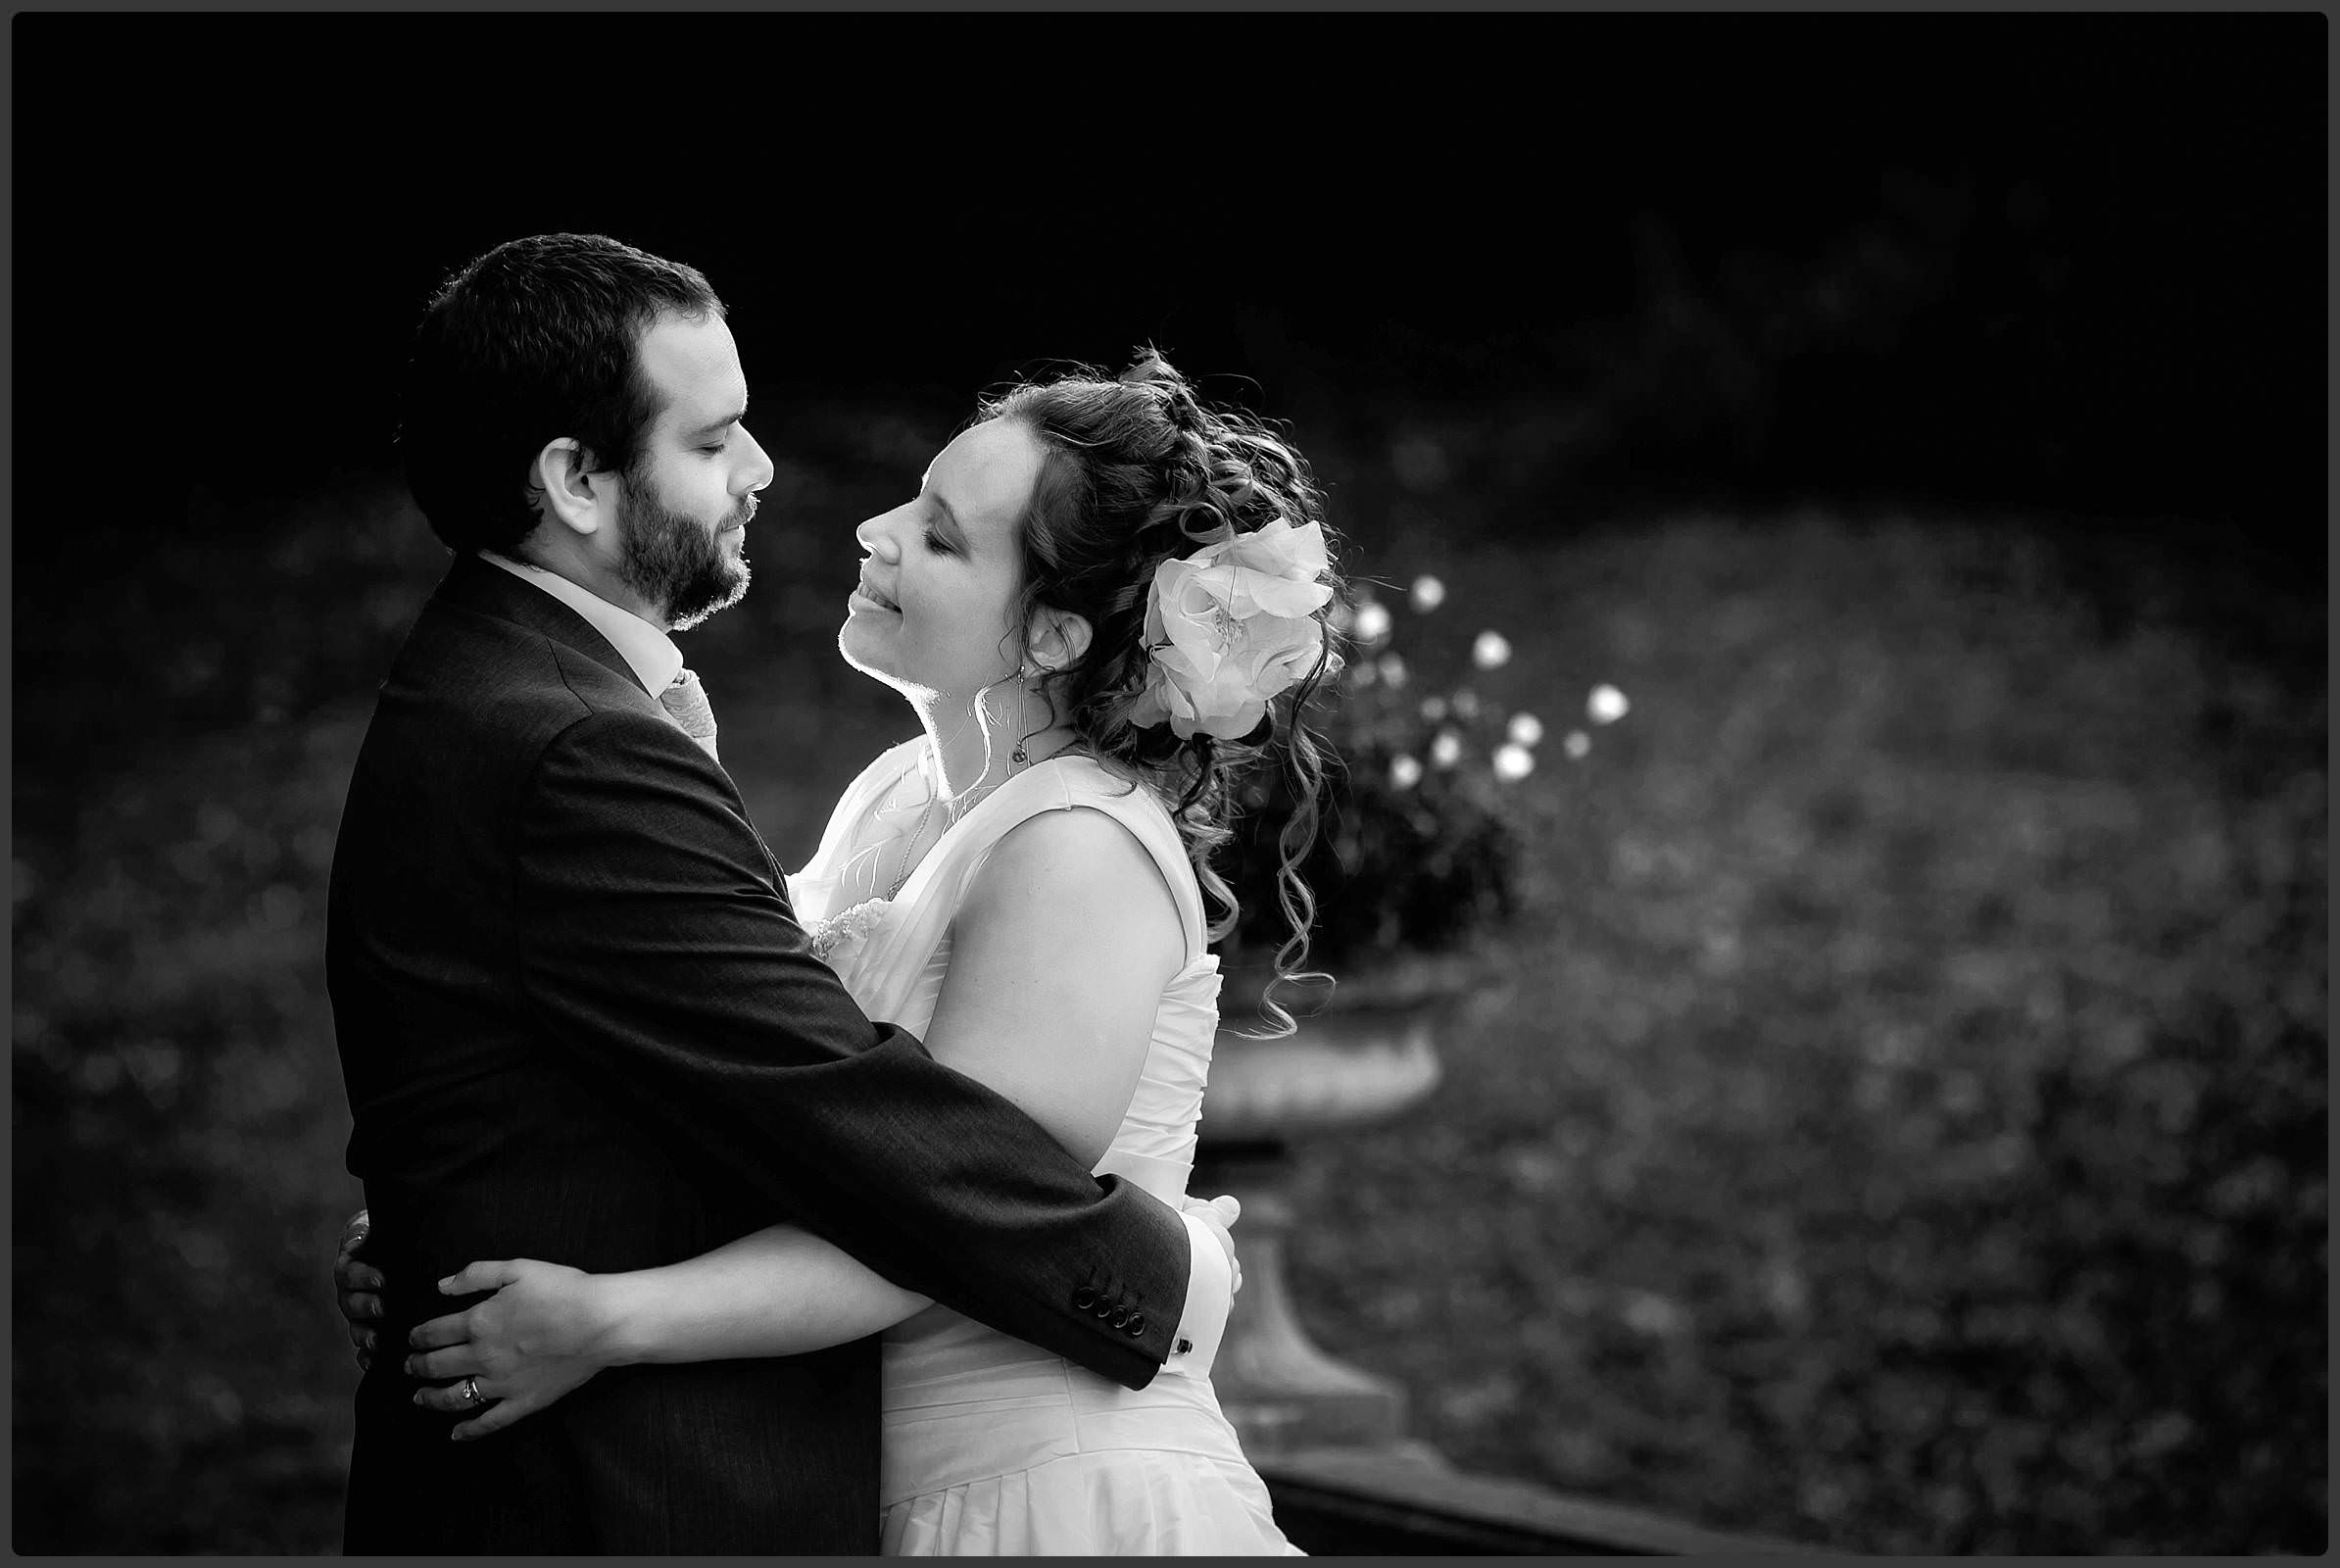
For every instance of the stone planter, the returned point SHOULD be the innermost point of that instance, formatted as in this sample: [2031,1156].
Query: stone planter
[1368,1055]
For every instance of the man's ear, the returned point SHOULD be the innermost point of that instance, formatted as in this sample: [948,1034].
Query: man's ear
[576,497]
[1057,638]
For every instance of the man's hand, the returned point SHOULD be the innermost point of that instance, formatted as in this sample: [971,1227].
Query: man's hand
[1220,1214]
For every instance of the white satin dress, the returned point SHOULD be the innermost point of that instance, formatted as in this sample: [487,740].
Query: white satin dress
[992,1446]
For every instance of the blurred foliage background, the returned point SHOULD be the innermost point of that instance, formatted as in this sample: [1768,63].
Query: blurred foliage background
[1905,1126]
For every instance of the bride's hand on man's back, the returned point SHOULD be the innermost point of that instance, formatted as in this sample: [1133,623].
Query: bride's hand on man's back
[540,1334]
[357,1288]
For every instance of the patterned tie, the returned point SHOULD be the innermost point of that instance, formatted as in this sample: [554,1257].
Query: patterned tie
[686,704]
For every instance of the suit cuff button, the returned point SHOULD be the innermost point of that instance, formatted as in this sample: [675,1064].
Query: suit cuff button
[1135,1327]
[1084,1298]
[1120,1317]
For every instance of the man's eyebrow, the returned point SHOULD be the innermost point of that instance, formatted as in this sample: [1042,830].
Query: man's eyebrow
[721,425]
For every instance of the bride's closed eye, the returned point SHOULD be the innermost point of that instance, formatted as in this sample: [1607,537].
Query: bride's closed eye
[939,539]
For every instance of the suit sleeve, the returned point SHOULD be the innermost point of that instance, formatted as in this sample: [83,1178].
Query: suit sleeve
[651,938]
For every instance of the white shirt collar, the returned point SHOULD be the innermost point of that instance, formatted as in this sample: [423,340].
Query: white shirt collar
[655,659]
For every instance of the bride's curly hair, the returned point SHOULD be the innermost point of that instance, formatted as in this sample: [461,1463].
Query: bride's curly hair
[1135,472]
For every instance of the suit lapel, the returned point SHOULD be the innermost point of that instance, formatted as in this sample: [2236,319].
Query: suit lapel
[487,589]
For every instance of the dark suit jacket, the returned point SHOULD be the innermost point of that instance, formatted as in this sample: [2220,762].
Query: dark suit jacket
[578,1023]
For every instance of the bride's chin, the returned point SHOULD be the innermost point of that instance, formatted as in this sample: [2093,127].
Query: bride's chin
[860,662]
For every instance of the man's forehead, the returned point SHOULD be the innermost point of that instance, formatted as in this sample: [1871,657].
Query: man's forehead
[696,364]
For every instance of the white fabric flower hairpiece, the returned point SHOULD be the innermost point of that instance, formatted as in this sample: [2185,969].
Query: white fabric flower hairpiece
[1231,626]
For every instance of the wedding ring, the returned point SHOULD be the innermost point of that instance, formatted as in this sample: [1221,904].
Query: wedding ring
[471,1394]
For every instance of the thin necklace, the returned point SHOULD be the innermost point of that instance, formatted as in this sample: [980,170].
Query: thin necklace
[954,809]
[910,844]
[956,805]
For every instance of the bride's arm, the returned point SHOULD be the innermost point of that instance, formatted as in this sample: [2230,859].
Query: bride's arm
[780,1291]
[1061,947]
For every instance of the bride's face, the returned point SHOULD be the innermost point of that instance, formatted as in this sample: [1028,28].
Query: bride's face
[942,571]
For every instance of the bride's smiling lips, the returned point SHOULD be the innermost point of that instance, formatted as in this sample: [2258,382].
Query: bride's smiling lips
[865,596]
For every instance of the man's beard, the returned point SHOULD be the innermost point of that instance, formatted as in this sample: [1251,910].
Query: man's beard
[673,559]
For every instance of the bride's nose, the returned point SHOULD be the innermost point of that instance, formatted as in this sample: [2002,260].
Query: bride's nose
[878,542]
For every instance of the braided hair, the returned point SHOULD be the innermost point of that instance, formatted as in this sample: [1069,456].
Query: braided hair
[1135,472]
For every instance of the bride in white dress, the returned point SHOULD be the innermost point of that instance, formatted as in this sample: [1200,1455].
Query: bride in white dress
[1105,602]
[991,1446]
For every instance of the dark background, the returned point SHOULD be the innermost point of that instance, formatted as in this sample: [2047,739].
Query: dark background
[1872,354]
[2073,260]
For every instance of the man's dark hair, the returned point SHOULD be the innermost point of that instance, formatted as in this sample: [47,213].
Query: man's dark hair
[538,339]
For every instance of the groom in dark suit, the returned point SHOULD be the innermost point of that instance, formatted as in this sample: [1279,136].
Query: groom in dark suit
[576,1019]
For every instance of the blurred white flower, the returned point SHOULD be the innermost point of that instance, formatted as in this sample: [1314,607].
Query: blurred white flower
[1492,651]
[1606,704]
[1433,708]
[1525,729]
[1447,749]
[1405,772]
[1366,670]
[1428,593]
[1466,704]
[1373,622]
[1578,745]
[1513,762]
[1392,671]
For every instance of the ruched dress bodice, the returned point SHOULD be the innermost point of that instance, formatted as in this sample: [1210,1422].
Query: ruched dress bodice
[993,1446]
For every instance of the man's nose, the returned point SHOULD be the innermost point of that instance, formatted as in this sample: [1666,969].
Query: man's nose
[760,471]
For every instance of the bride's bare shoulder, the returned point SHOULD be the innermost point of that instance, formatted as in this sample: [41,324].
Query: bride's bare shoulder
[1081,853]
[1077,881]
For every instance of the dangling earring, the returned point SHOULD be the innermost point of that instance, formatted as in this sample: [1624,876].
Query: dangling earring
[1019,757]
